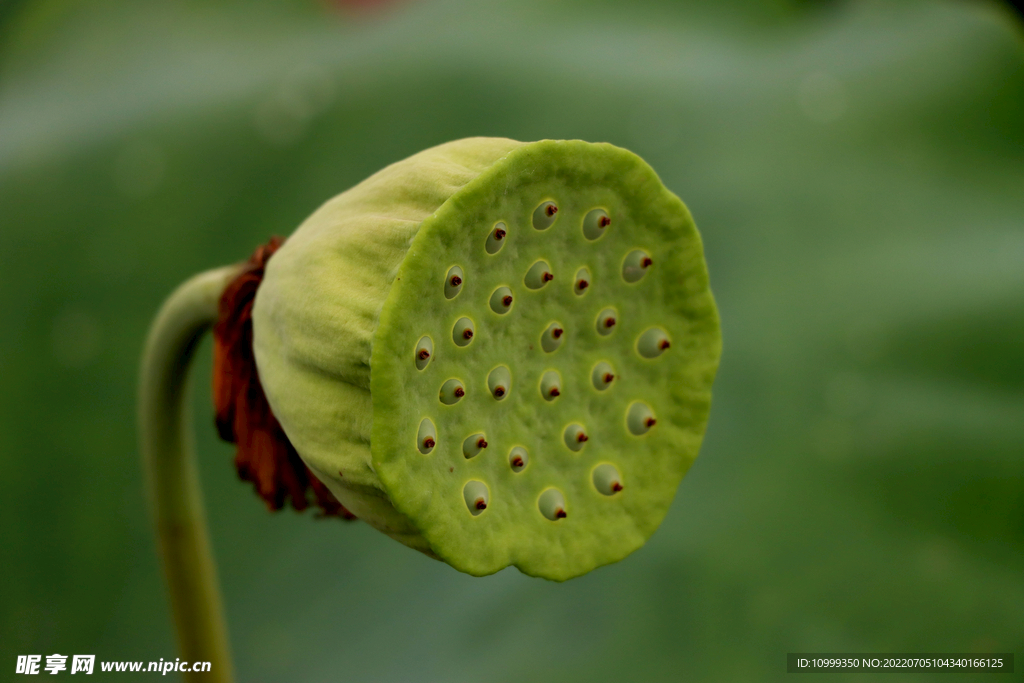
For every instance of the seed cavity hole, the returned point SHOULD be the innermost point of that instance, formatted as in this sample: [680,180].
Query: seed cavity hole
[640,418]
[452,392]
[551,385]
[552,337]
[499,382]
[544,215]
[552,504]
[594,224]
[424,352]
[602,375]
[581,282]
[538,275]
[453,282]
[518,459]
[462,333]
[426,438]
[474,445]
[575,437]
[607,479]
[606,321]
[501,300]
[653,342]
[476,495]
[496,238]
[636,265]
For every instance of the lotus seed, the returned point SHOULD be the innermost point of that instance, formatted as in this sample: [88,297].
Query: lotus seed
[476,495]
[575,437]
[462,333]
[582,281]
[518,458]
[496,238]
[452,392]
[595,223]
[424,351]
[544,215]
[652,343]
[607,479]
[551,338]
[501,300]
[453,282]
[499,381]
[640,418]
[538,275]
[606,321]
[473,444]
[635,265]
[552,504]
[602,375]
[427,436]
[551,385]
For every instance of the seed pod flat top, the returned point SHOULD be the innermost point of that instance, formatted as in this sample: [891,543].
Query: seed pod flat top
[580,409]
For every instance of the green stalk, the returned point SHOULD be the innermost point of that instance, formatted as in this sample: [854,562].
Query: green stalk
[168,454]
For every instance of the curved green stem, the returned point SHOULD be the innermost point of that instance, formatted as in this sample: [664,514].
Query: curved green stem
[168,453]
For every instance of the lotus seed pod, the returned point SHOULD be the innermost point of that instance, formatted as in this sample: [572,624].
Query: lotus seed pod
[366,283]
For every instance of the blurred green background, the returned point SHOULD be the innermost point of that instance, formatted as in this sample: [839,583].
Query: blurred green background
[856,169]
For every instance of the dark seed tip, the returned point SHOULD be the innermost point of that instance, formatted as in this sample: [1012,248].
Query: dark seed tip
[481,504]
[608,377]
[557,332]
[481,443]
[616,487]
[581,437]
[646,261]
[460,392]
[507,300]
[559,513]
[609,322]
[428,442]
[650,422]
[664,344]
[582,284]
[499,234]
[424,354]
[456,280]
[547,277]
[604,222]
[468,334]
[551,210]
[517,462]
[554,392]
[499,391]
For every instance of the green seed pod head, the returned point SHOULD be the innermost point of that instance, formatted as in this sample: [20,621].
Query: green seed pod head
[359,333]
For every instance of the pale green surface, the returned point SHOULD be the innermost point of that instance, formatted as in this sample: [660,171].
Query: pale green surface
[577,177]
[856,174]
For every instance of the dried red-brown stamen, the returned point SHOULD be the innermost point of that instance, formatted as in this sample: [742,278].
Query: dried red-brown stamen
[264,455]
[460,392]
[559,513]
[428,442]
[424,354]
[517,461]
[608,377]
[499,234]
[499,391]
[645,261]
[604,222]
[582,284]
[506,300]
[547,277]
[609,322]
[616,486]
[481,504]
[557,332]
[664,344]
[554,392]
[581,437]
[551,210]
[468,334]
[481,443]
[650,422]
[456,281]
